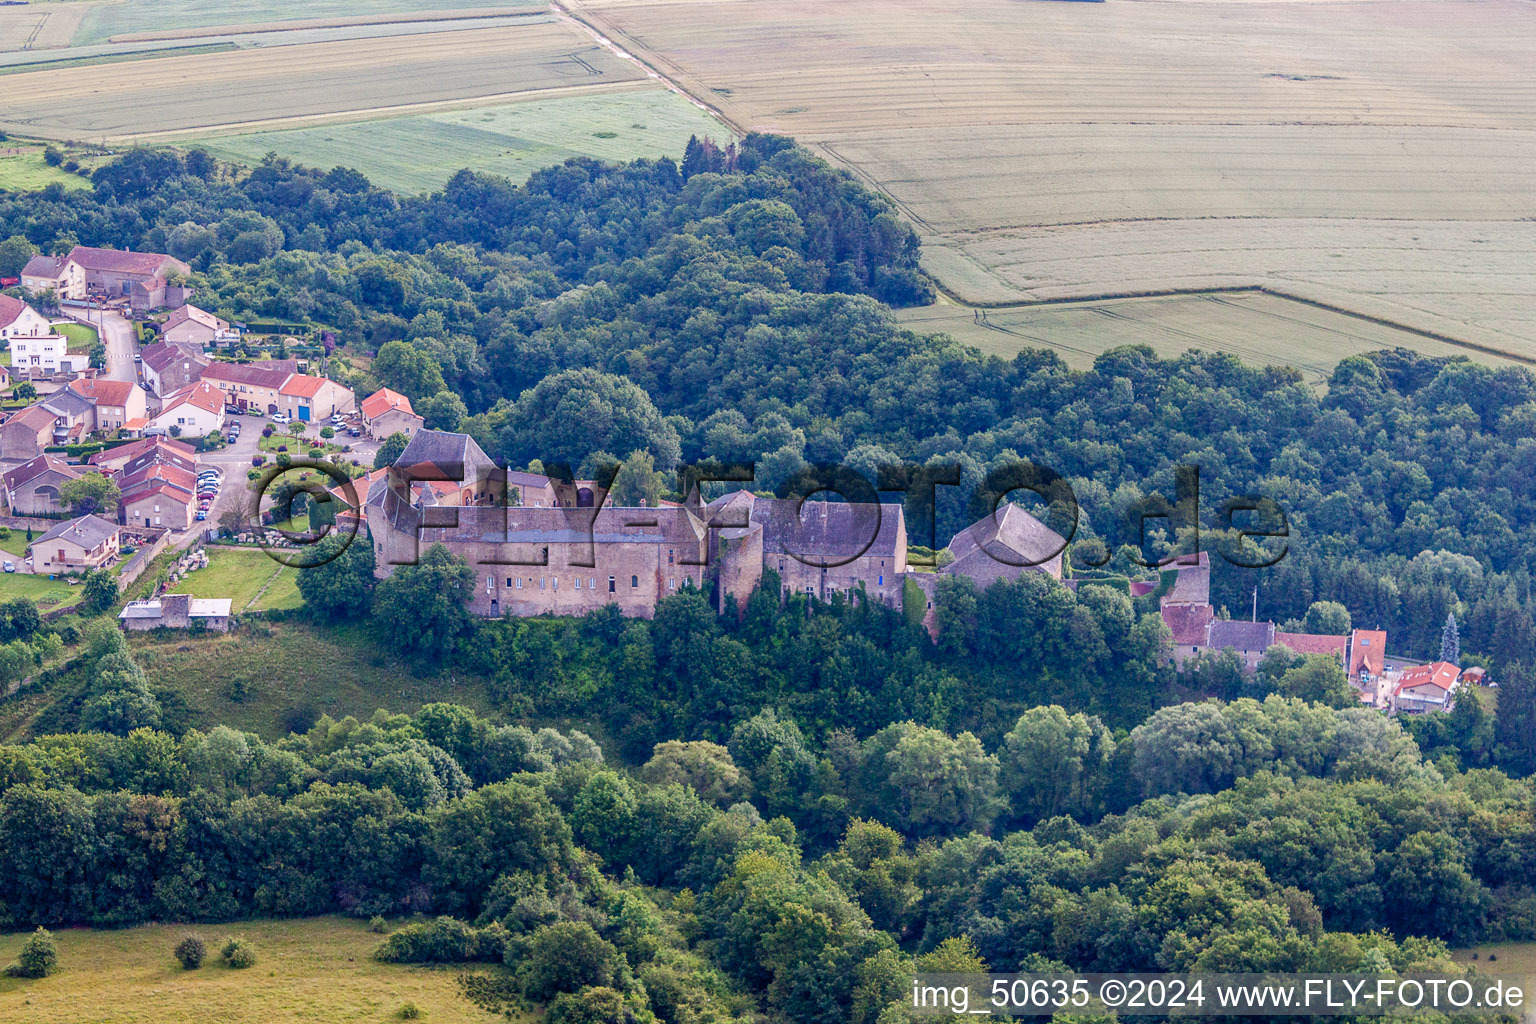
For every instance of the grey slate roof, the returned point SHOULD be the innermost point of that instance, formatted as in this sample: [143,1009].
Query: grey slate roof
[87,531]
[1011,536]
[456,455]
[1240,636]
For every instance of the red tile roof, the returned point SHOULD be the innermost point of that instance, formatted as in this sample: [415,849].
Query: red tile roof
[1368,650]
[182,314]
[383,400]
[202,395]
[303,386]
[1314,643]
[10,309]
[36,467]
[123,261]
[1439,674]
[129,452]
[34,416]
[1188,622]
[101,391]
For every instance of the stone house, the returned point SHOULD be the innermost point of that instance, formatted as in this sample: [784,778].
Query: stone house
[26,433]
[176,611]
[32,488]
[188,325]
[387,412]
[140,277]
[116,401]
[251,385]
[171,367]
[58,274]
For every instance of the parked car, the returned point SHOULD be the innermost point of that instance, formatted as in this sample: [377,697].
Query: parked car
[202,515]
[354,432]
[9,566]
[281,417]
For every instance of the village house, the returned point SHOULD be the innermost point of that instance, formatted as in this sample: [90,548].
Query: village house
[176,611]
[171,367]
[251,385]
[79,545]
[1336,647]
[74,416]
[197,410]
[19,320]
[387,412]
[110,460]
[1425,688]
[32,488]
[188,325]
[140,277]
[26,433]
[311,399]
[58,274]
[159,488]
[116,401]
[1249,640]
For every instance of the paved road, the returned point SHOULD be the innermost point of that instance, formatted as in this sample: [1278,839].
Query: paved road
[118,335]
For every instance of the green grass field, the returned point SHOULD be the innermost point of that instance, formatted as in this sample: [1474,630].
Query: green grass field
[251,579]
[292,666]
[108,20]
[23,170]
[1255,326]
[421,152]
[1512,957]
[49,594]
[81,337]
[318,970]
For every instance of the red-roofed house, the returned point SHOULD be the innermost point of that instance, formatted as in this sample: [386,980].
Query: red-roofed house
[1189,623]
[1315,643]
[116,401]
[251,385]
[387,412]
[1425,688]
[188,325]
[25,434]
[308,399]
[196,410]
[114,459]
[1367,657]
[19,320]
[159,488]
[121,273]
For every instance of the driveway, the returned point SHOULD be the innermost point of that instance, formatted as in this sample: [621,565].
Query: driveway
[119,337]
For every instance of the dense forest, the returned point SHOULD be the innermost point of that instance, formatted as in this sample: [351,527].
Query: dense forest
[795,807]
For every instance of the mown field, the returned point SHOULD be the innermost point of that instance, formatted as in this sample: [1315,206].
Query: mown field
[1048,150]
[251,579]
[411,154]
[1255,326]
[141,99]
[104,20]
[22,170]
[317,970]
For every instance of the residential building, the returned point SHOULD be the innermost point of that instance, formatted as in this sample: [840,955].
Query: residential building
[188,325]
[251,385]
[1336,647]
[387,412]
[26,433]
[1189,624]
[159,488]
[74,416]
[195,411]
[1426,688]
[1367,661]
[140,277]
[113,459]
[90,542]
[310,399]
[176,611]
[32,488]
[170,367]
[1249,640]
[58,274]
[19,320]
[116,401]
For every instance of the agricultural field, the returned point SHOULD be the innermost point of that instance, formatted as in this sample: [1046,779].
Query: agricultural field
[320,970]
[411,154]
[1053,150]
[252,580]
[1257,327]
[163,18]
[307,83]
[41,26]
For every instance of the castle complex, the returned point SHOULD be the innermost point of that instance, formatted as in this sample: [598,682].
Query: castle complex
[540,545]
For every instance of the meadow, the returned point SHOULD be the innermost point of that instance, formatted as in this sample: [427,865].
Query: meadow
[318,970]
[347,78]
[251,579]
[22,169]
[1050,150]
[1255,326]
[416,153]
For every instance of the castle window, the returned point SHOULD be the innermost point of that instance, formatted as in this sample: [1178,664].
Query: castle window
[634,581]
[541,582]
[591,582]
[490,584]
[882,580]
[611,585]
[578,582]
[669,556]
[509,581]
[671,584]
[555,582]
[519,583]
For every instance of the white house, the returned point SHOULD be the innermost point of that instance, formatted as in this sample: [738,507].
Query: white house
[19,320]
[58,274]
[44,356]
[196,410]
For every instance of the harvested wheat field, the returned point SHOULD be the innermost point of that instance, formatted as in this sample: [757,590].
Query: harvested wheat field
[1379,155]
[144,99]
[40,26]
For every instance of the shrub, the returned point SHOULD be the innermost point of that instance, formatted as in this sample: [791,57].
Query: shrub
[593,1005]
[238,954]
[39,957]
[377,925]
[566,957]
[52,157]
[190,951]
[445,940]
[410,1011]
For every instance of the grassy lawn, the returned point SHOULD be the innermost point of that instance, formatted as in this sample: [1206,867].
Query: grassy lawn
[294,667]
[81,337]
[49,594]
[250,578]
[1513,957]
[23,170]
[15,544]
[320,970]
